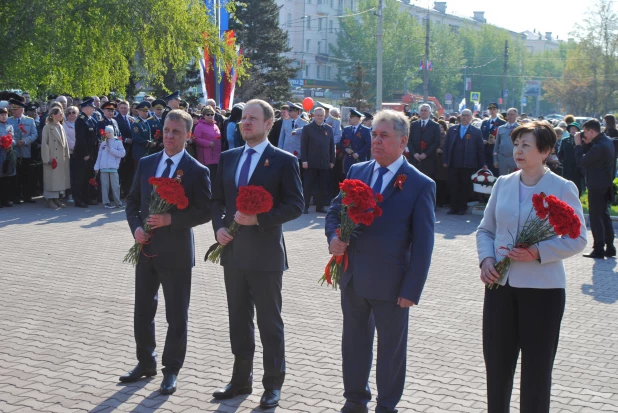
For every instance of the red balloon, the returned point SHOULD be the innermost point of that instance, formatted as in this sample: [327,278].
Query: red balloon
[308,104]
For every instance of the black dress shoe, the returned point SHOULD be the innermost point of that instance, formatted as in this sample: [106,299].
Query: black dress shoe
[30,201]
[461,213]
[168,385]
[610,252]
[17,201]
[7,204]
[321,210]
[270,398]
[595,254]
[93,202]
[137,373]
[232,390]
[451,212]
[306,211]
[80,204]
[349,409]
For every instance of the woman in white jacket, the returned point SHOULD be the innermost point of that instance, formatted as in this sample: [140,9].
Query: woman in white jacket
[110,153]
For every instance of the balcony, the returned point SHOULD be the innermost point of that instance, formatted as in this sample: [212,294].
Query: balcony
[324,8]
[322,58]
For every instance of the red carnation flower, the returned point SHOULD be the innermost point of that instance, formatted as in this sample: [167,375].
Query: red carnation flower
[295,153]
[93,182]
[6,142]
[54,163]
[253,200]
[423,145]
[22,128]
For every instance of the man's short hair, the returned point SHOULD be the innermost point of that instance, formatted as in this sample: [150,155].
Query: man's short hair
[123,102]
[593,124]
[425,105]
[466,112]
[285,107]
[269,113]
[181,115]
[512,110]
[401,123]
[320,109]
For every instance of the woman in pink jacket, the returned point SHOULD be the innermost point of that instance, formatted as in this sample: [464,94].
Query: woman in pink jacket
[208,140]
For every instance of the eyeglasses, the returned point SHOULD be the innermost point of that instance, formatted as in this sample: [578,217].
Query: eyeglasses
[209,114]
[71,113]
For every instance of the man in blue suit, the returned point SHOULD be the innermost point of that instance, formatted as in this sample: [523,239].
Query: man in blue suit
[168,255]
[255,258]
[489,130]
[358,139]
[388,265]
[463,154]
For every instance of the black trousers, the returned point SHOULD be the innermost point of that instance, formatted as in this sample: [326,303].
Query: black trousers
[318,178]
[248,291]
[441,192]
[82,172]
[459,187]
[5,189]
[600,222]
[177,291]
[526,319]
[125,173]
[25,180]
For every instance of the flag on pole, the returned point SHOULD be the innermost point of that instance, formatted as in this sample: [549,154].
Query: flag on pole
[462,105]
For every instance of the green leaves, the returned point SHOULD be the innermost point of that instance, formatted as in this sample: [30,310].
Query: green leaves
[86,47]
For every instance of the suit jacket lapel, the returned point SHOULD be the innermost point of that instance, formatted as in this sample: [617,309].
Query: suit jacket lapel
[232,171]
[390,188]
[155,165]
[262,166]
[367,174]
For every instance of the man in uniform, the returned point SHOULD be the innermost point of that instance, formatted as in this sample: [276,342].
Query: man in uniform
[125,171]
[275,132]
[489,130]
[98,113]
[184,105]
[503,149]
[173,102]
[84,153]
[156,124]
[24,134]
[289,127]
[355,141]
[141,134]
[108,119]
[367,120]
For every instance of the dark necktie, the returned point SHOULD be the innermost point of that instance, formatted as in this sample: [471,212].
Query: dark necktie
[377,187]
[422,126]
[168,168]
[243,179]
[293,124]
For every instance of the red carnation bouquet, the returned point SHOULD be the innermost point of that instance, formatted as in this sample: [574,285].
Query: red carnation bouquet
[359,206]
[166,193]
[423,146]
[93,181]
[552,217]
[6,143]
[251,200]
[54,163]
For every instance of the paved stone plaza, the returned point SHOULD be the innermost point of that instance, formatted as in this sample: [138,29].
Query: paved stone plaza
[66,315]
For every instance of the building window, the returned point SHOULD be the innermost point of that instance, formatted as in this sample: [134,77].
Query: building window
[328,74]
[308,22]
[319,74]
[319,47]
[307,70]
[307,45]
[330,26]
[289,19]
[320,24]
[319,1]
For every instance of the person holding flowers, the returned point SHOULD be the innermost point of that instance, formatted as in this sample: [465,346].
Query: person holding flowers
[387,260]
[55,157]
[167,249]
[8,158]
[254,257]
[532,223]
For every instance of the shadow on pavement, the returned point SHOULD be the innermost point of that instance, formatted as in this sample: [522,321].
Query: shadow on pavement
[233,403]
[122,395]
[604,282]
[152,402]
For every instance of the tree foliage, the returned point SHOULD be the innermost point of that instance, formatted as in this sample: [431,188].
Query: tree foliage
[86,47]
[360,89]
[264,43]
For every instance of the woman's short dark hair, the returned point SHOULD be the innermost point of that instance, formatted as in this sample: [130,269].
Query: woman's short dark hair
[543,133]
[443,124]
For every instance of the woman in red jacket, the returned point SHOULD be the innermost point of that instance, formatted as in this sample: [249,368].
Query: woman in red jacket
[208,140]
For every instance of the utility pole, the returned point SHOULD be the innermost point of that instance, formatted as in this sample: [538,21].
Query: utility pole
[506,68]
[379,66]
[426,72]
[465,86]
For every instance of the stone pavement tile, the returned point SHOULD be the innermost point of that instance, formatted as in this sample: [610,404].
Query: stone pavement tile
[69,326]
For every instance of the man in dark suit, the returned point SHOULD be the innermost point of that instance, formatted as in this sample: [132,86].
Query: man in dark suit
[489,130]
[254,261]
[318,157]
[168,255]
[173,102]
[598,162]
[388,263]
[463,155]
[125,171]
[275,132]
[424,141]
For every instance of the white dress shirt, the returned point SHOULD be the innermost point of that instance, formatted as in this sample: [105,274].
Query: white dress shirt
[163,164]
[388,176]
[259,149]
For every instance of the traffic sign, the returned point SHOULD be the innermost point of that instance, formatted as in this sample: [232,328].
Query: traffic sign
[475,97]
[448,97]
[524,100]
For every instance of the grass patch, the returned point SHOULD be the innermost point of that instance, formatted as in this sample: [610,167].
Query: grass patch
[613,210]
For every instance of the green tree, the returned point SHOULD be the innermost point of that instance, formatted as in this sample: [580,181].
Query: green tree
[359,89]
[447,60]
[263,42]
[86,47]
